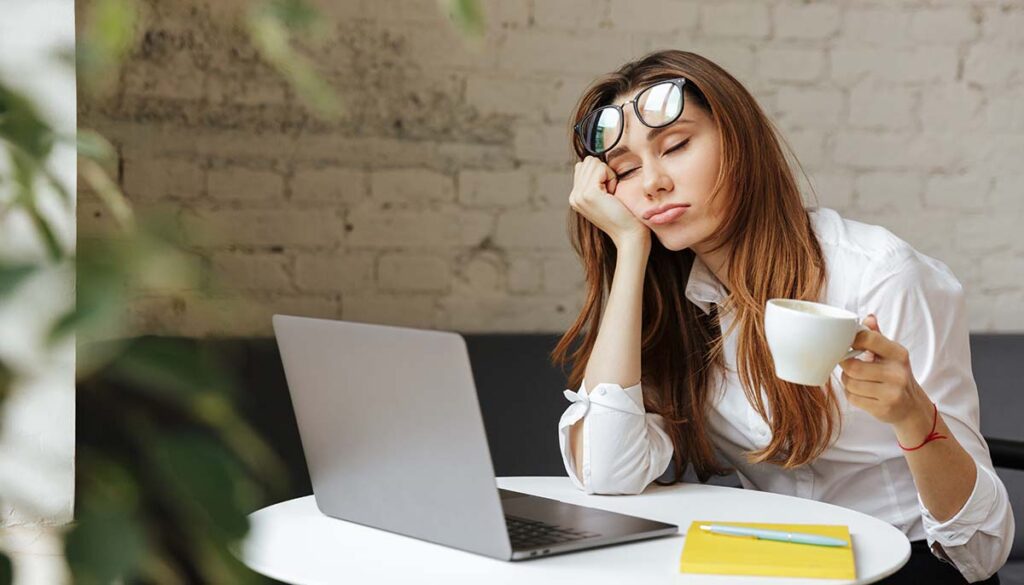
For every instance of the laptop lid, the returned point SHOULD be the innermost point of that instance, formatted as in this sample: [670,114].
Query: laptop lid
[392,432]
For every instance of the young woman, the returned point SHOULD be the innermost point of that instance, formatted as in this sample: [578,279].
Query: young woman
[688,219]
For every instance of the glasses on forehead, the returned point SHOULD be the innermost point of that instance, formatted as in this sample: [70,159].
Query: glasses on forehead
[655,106]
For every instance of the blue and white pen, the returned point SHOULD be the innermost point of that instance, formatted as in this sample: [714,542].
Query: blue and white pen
[799,537]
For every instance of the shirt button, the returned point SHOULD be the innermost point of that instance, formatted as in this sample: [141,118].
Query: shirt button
[600,391]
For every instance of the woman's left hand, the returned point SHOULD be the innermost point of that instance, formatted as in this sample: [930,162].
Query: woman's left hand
[884,384]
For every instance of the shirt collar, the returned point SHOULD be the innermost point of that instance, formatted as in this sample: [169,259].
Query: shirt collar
[703,287]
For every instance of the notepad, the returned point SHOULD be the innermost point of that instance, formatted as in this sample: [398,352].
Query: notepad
[717,554]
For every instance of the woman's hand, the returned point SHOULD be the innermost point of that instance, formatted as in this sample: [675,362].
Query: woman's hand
[593,197]
[885,386]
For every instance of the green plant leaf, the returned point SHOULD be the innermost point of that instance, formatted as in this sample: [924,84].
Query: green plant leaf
[294,14]
[271,25]
[58,186]
[104,40]
[107,541]
[177,374]
[7,376]
[94,146]
[467,16]
[22,126]
[169,369]
[6,570]
[108,192]
[12,275]
[46,232]
[101,266]
[30,141]
[206,483]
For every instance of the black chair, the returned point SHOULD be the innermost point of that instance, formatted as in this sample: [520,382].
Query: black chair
[995,358]
[1006,454]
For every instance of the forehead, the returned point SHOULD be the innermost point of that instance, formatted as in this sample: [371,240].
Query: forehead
[691,116]
[624,99]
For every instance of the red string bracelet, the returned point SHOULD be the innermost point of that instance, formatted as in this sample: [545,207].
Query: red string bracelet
[932,436]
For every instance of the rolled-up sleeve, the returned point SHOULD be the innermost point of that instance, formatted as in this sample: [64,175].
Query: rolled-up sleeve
[921,305]
[624,447]
[977,539]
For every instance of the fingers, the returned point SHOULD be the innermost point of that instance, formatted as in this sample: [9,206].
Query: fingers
[881,346]
[592,172]
[861,370]
[585,168]
[610,180]
[885,372]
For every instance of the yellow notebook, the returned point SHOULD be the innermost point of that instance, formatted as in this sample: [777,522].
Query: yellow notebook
[718,554]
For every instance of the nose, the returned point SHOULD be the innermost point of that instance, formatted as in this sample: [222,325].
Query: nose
[655,180]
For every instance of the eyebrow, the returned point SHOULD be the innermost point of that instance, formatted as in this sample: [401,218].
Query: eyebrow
[651,135]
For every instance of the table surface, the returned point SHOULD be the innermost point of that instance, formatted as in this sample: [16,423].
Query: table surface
[294,542]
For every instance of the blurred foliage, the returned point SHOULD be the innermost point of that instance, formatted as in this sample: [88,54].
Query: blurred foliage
[29,141]
[467,16]
[271,26]
[6,570]
[165,487]
[166,468]
[6,379]
[103,42]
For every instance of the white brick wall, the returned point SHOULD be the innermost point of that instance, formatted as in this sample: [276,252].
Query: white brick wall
[439,197]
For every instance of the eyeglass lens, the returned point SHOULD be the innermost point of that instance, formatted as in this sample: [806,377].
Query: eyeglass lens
[658,106]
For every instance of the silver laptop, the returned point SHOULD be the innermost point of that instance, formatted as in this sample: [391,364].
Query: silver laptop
[394,439]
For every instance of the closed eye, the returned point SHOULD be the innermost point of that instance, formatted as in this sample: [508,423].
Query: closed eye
[627,174]
[678,146]
[620,176]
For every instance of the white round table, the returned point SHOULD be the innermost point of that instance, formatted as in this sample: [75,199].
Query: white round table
[294,542]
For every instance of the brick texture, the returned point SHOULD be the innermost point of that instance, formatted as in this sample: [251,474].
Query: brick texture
[439,197]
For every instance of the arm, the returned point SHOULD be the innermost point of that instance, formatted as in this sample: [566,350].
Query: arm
[921,338]
[616,354]
[610,445]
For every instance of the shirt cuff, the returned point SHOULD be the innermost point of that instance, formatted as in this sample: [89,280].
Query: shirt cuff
[957,530]
[952,536]
[603,397]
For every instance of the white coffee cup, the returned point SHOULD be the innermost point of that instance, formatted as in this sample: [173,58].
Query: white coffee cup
[808,339]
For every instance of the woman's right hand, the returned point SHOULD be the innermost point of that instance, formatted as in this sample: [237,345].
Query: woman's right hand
[593,197]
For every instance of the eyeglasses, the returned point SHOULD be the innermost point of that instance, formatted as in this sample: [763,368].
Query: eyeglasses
[656,106]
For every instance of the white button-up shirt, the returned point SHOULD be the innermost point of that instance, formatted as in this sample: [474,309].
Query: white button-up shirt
[919,304]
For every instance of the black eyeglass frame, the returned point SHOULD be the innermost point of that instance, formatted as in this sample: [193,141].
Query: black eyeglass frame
[679,82]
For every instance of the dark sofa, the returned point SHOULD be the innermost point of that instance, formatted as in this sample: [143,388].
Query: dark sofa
[521,400]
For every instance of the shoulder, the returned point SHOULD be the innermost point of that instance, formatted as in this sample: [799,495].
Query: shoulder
[873,255]
[838,234]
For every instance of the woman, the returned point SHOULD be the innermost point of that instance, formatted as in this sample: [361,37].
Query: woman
[673,344]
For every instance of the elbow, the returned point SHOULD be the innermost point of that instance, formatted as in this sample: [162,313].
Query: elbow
[630,471]
[1006,545]
[617,482]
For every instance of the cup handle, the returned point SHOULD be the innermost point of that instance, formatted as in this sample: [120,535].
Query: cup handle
[856,352]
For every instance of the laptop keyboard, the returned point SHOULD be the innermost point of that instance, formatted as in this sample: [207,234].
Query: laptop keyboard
[526,533]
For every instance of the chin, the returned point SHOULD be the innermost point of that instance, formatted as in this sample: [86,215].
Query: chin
[675,241]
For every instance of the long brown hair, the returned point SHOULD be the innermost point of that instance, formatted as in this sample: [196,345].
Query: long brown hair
[772,252]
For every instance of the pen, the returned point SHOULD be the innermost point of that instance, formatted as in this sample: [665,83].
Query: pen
[779,535]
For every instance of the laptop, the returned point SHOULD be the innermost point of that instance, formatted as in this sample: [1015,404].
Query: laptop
[394,439]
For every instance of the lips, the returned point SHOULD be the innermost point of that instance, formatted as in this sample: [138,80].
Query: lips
[663,208]
[666,213]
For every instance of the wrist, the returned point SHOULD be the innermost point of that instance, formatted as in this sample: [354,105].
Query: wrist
[918,425]
[637,241]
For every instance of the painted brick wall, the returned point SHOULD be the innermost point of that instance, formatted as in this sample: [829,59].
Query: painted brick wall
[439,198]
